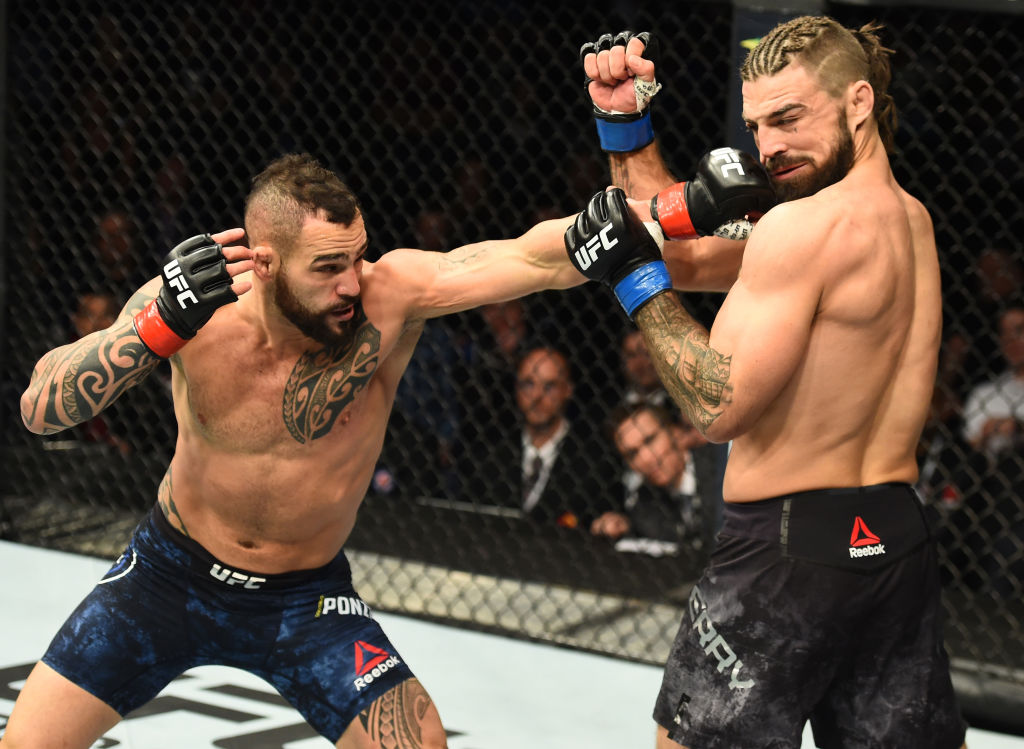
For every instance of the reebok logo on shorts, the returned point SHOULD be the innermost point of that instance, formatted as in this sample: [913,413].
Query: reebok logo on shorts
[864,543]
[371,664]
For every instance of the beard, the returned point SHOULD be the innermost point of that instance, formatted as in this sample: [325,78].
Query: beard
[834,169]
[315,324]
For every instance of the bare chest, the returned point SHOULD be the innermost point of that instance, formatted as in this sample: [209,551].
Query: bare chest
[249,400]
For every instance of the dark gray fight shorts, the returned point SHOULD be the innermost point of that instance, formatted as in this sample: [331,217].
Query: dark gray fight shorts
[821,605]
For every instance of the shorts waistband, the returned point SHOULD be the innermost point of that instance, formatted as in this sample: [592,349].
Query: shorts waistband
[208,568]
[763,518]
[862,528]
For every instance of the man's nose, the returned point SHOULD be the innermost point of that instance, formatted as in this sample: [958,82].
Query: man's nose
[771,146]
[348,283]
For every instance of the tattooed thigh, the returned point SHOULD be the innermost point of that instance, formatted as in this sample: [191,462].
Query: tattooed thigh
[402,718]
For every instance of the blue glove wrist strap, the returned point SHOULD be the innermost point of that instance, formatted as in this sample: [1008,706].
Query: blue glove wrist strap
[641,284]
[622,137]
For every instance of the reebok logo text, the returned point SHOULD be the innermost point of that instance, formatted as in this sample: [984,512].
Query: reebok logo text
[371,663]
[864,543]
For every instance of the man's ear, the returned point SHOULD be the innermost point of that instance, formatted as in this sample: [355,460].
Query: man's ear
[265,262]
[860,102]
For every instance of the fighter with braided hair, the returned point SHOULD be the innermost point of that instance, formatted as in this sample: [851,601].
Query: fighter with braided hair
[821,599]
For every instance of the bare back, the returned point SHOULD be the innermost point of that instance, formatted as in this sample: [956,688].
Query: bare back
[851,411]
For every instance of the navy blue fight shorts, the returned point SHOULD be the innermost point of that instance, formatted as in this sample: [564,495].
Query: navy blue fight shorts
[167,605]
[821,605]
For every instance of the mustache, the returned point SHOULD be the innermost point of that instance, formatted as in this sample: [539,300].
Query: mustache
[345,303]
[782,162]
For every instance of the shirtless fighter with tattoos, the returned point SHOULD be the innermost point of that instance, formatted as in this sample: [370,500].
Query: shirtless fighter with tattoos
[821,599]
[285,361]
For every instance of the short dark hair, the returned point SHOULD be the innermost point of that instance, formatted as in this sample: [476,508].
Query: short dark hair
[291,189]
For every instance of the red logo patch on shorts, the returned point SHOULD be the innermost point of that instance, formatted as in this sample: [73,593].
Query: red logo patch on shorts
[368,656]
[862,535]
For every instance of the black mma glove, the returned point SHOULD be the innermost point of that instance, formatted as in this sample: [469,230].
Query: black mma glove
[620,132]
[610,244]
[729,187]
[196,283]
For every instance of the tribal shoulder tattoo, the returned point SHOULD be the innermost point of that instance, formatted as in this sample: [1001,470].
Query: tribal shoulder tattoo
[73,383]
[324,382]
[695,375]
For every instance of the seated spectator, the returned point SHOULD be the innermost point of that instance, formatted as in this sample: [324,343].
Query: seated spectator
[93,312]
[679,497]
[553,473]
[994,412]
[642,383]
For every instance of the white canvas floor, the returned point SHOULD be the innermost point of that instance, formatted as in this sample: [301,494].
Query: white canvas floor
[493,692]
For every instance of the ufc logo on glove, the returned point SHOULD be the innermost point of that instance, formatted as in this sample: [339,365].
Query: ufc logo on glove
[174,278]
[588,253]
[731,157]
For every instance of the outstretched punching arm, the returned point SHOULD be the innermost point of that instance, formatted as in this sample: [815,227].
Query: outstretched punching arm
[73,383]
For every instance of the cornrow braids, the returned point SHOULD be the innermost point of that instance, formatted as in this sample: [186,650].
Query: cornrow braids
[836,54]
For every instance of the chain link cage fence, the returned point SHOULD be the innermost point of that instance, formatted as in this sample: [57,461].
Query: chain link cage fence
[132,126]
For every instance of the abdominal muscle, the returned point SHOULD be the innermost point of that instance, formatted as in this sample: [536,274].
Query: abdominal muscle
[287,507]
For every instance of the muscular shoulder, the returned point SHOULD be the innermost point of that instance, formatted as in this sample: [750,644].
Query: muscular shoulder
[392,284]
[918,216]
[789,235]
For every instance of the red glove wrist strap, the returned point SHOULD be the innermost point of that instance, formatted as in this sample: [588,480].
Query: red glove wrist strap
[155,333]
[673,215]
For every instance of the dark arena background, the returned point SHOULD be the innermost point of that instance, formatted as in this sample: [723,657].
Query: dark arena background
[130,126]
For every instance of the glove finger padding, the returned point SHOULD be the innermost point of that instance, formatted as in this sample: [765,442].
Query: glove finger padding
[196,283]
[621,128]
[647,89]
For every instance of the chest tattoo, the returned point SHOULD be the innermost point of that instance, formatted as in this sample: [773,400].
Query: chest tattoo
[323,383]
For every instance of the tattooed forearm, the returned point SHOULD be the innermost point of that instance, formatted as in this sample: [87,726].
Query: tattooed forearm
[73,383]
[395,720]
[620,173]
[165,498]
[695,375]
